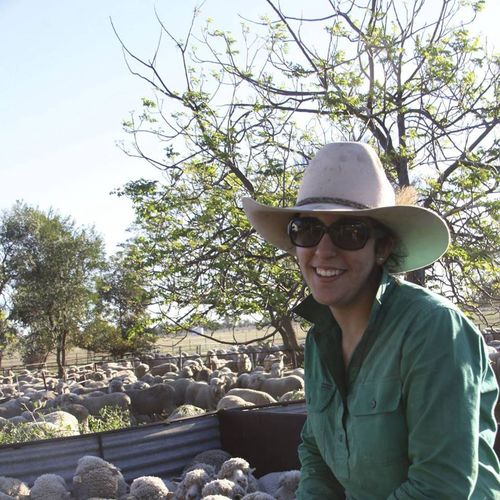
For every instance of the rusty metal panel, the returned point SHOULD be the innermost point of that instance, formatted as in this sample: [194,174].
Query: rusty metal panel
[161,450]
[56,456]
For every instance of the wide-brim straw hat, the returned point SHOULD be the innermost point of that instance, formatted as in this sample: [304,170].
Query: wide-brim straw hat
[347,178]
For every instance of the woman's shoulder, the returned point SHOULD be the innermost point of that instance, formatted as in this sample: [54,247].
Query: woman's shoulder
[412,295]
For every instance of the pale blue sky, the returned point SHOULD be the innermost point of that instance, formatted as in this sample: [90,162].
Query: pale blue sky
[64,90]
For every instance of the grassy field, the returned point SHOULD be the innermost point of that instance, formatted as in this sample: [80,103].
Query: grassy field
[191,344]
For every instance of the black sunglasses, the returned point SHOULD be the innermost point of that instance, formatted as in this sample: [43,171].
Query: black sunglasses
[346,234]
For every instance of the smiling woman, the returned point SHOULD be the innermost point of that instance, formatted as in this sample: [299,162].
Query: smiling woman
[399,390]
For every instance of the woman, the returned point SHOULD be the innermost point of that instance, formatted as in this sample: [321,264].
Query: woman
[399,391]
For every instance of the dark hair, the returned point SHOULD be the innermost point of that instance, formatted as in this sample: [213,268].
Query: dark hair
[398,253]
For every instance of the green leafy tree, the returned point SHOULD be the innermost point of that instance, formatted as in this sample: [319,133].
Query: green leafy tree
[410,79]
[52,268]
[121,322]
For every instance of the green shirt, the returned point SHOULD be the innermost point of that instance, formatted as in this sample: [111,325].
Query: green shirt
[412,416]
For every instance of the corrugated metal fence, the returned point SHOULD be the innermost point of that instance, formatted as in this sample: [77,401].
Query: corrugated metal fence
[161,449]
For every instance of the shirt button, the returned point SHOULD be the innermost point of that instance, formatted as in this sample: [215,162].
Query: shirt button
[340,438]
[373,403]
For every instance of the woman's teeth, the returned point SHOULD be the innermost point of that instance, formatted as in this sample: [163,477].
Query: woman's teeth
[328,273]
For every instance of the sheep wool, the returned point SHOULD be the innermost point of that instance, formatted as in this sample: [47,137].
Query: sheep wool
[239,472]
[287,485]
[94,477]
[192,485]
[215,457]
[65,421]
[148,488]
[258,495]
[49,487]
[223,487]
[13,487]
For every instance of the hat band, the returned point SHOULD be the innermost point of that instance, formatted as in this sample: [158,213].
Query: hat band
[334,201]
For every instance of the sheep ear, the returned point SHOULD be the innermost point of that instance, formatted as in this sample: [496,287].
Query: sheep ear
[77,479]
[252,470]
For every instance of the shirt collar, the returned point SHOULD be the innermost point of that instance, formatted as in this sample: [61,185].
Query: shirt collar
[319,314]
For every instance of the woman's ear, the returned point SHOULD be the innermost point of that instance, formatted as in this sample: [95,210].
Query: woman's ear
[383,248]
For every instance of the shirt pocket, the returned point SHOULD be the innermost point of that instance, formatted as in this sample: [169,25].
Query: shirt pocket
[319,398]
[378,422]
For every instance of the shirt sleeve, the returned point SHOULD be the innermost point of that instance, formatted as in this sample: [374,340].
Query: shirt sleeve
[442,366]
[316,479]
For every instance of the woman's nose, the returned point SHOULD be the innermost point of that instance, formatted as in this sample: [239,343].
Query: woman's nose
[326,246]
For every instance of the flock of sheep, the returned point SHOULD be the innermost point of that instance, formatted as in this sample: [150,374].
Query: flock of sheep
[211,475]
[149,389]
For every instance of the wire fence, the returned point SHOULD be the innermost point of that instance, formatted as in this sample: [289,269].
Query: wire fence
[180,347]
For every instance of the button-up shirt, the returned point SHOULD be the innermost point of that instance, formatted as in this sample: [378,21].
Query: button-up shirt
[412,416]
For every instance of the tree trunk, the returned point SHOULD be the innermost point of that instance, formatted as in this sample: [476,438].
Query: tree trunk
[289,338]
[61,354]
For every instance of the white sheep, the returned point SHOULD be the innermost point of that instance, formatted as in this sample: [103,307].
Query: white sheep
[232,401]
[239,472]
[149,488]
[293,396]
[185,411]
[258,495]
[276,387]
[13,487]
[64,421]
[205,395]
[49,487]
[95,404]
[252,396]
[191,486]
[94,477]
[223,487]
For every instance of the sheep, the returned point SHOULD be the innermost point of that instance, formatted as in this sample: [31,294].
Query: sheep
[148,488]
[287,485]
[79,411]
[276,387]
[155,400]
[258,495]
[283,484]
[239,472]
[96,404]
[209,469]
[252,396]
[232,401]
[163,368]
[13,487]
[49,487]
[293,396]
[185,411]
[215,457]
[66,423]
[116,385]
[223,487]
[94,477]
[205,395]
[191,486]
[141,369]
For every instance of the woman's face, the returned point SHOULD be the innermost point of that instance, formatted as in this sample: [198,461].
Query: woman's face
[341,279]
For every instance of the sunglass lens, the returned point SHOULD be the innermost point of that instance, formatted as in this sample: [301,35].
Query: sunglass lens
[350,235]
[305,232]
